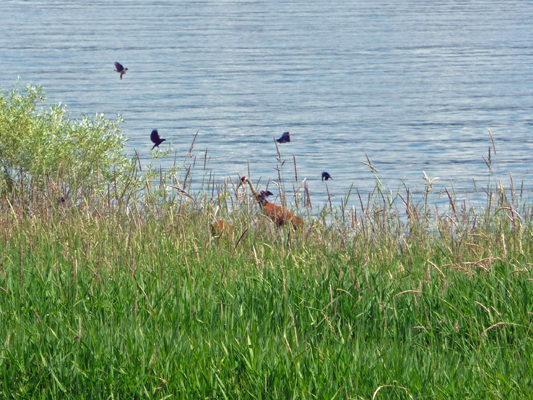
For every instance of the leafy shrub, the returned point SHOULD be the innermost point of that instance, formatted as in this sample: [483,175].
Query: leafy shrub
[43,145]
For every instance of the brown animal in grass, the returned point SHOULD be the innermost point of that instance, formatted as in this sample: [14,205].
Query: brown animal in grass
[277,214]
[221,228]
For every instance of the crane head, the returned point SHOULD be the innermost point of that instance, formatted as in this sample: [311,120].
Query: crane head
[242,181]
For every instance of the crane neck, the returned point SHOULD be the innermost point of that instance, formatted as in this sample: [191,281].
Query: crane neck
[257,196]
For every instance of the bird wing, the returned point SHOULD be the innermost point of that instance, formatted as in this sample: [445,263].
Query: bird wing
[118,66]
[154,136]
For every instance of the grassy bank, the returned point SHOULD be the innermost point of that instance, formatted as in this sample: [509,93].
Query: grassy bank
[98,301]
[114,288]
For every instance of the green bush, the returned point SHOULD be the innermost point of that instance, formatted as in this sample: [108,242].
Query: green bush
[38,145]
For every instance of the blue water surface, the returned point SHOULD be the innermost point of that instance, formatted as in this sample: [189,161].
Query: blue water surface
[413,85]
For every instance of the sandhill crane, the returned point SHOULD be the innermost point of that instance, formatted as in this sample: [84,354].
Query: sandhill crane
[221,228]
[277,214]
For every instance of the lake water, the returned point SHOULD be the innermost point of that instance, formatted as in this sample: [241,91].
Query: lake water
[413,85]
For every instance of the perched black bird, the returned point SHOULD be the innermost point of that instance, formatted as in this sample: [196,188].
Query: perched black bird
[326,176]
[285,138]
[120,69]
[263,195]
[154,137]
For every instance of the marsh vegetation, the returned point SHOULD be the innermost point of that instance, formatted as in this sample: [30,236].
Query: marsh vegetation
[112,285]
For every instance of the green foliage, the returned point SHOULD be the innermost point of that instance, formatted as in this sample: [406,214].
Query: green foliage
[38,144]
[141,302]
[127,295]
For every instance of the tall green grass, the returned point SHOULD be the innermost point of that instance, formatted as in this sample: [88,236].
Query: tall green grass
[106,299]
[120,291]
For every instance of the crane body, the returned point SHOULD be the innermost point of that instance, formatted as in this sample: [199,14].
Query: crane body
[277,214]
[221,228]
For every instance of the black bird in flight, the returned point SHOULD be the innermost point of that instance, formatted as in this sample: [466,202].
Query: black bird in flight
[154,137]
[120,69]
[326,176]
[285,138]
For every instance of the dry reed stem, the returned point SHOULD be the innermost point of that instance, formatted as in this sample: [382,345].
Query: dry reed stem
[369,164]
[519,271]
[484,307]
[492,139]
[240,238]
[164,383]
[384,386]
[438,269]
[487,162]
[493,326]
[288,345]
[419,290]
[147,299]
[295,168]
[329,199]
[294,326]
[20,268]
[37,315]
